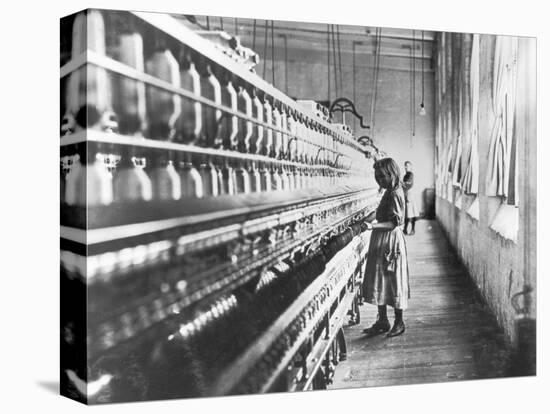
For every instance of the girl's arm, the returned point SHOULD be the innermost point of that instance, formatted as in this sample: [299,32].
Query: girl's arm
[385,225]
[396,216]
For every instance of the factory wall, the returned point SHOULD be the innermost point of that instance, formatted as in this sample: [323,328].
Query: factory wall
[500,266]
[308,79]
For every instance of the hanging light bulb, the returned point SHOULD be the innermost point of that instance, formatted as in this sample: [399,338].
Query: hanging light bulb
[422,109]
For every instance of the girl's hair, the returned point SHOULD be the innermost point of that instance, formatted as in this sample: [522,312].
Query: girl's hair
[390,169]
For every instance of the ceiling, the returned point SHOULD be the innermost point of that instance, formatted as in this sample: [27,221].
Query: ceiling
[310,41]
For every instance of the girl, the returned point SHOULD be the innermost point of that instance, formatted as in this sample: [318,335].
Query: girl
[386,280]
[411,212]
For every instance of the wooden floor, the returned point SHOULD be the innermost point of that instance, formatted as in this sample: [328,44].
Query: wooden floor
[450,336]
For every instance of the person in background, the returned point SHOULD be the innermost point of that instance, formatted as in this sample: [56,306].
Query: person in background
[386,279]
[411,211]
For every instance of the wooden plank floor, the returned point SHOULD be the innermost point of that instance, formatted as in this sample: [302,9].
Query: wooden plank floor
[450,335]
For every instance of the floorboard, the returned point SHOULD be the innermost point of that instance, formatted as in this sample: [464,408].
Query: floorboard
[450,334]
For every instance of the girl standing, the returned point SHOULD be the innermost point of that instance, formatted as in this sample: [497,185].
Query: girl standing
[386,280]
[411,211]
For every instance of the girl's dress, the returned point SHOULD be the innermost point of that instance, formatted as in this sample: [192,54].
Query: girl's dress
[386,280]
[411,210]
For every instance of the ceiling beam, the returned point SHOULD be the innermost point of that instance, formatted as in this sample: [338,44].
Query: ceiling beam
[429,36]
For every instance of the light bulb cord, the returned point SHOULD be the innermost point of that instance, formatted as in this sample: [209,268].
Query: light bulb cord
[422,104]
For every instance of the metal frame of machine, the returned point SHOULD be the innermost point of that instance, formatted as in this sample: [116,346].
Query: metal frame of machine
[134,272]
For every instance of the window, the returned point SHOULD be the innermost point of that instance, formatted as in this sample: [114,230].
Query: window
[457,169]
[449,173]
[502,177]
[504,94]
[470,179]
[458,79]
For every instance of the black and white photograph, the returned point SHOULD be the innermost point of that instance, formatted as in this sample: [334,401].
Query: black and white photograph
[255,206]
[271,207]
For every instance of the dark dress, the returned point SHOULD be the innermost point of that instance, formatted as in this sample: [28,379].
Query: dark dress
[411,210]
[386,280]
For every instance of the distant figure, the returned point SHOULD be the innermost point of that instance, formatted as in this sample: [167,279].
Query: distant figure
[386,279]
[411,211]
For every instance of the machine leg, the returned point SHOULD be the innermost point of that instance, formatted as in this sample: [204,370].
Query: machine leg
[354,313]
[357,301]
[319,382]
[329,369]
[341,340]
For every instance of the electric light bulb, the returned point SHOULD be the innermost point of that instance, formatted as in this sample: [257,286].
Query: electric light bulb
[422,109]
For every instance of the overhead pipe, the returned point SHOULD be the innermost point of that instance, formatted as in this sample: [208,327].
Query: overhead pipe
[285,39]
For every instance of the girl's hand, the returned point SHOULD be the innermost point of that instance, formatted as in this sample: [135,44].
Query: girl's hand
[367,226]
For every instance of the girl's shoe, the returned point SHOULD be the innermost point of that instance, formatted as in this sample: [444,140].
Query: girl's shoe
[379,327]
[397,329]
